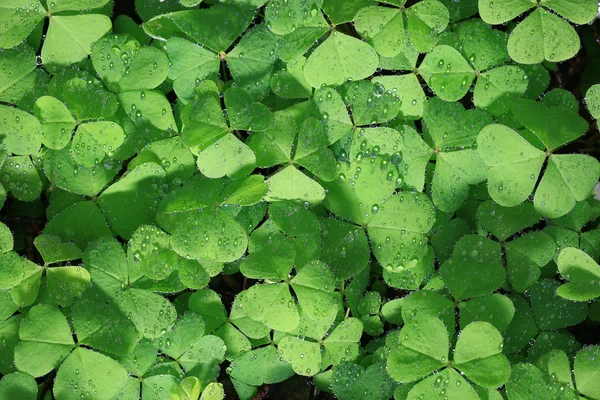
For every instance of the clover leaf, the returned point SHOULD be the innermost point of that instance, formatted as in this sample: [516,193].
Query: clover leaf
[509,184]
[412,359]
[40,349]
[338,59]
[542,35]
[582,273]
[305,356]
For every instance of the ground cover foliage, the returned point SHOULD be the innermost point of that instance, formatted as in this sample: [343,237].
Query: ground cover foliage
[299,199]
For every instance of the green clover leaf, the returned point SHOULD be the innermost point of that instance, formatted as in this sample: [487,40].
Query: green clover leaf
[582,272]
[338,59]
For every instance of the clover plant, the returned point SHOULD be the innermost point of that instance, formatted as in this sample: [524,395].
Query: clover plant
[215,199]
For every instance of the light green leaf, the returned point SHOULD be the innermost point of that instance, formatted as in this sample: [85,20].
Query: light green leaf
[514,164]
[295,44]
[252,60]
[207,303]
[150,112]
[552,311]
[57,122]
[291,184]
[259,366]
[313,286]
[273,260]
[527,382]
[454,172]
[20,133]
[478,354]
[371,103]
[496,89]
[447,73]
[132,201]
[354,187]
[481,45]
[243,113]
[24,282]
[592,100]
[46,340]
[496,309]
[475,268]
[568,178]
[422,348]
[340,11]
[151,313]
[283,17]
[123,65]
[193,274]
[235,341]
[338,59]
[582,272]
[93,373]
[196,238]
[289,82]
[586,371]
[68,223]
[498,12]
[351,382]
[6,238]
[554,126]
[21,178]
[303,355]
[119,337]
[213,391]
[105,259]
[177,161]
[525,256]
[92,141]
[447,383]
[190,64]
[415,158]
[450,126]
[427,303]
[542,36]
[345,248]
[556,363]
[21,83]
[334,113]
[183,335]
[402,223]
[343,343]
[246,191]
[409,91]
[577,11]
[227,156]
[18,385]
[18,19]
[61,169]
[204,357]
[83,94]
[66,283]
[9,334]
[272,304]
[384,27]
[311,150]
[75,5]
[426,19]
[216,27]
[152,253]
[274,145]
[503,222]
[70,37]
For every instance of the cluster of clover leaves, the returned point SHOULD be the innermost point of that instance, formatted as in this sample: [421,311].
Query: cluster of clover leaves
[388,180]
